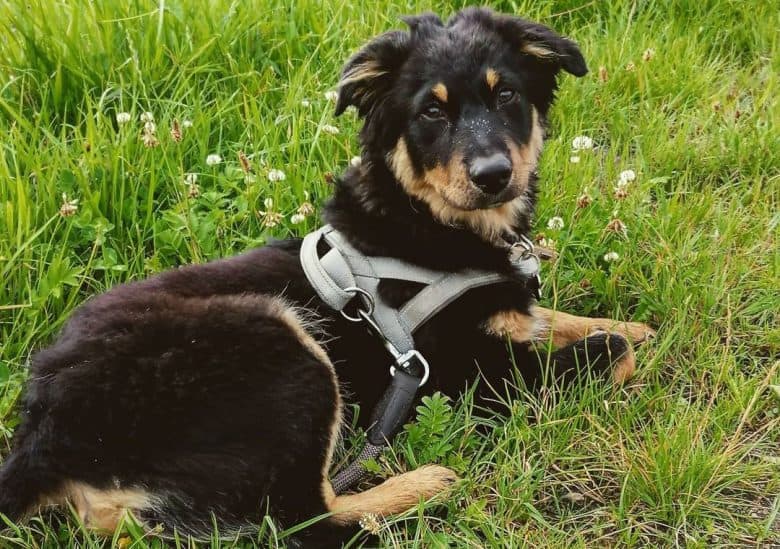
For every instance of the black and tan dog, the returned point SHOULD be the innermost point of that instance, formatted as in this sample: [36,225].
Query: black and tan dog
[215,390]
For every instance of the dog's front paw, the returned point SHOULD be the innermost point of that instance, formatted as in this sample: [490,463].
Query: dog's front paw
[635,333]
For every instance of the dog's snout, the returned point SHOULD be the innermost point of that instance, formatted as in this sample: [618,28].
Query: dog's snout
[491,173]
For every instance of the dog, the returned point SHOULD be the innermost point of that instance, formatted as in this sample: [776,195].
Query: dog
[212,393]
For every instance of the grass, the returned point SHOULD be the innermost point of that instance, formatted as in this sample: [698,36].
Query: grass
[688,454]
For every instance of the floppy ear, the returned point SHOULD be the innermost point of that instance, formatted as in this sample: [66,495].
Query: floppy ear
[371,71]
[543,43]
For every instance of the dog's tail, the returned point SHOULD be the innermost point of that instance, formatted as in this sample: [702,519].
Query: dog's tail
[23,484]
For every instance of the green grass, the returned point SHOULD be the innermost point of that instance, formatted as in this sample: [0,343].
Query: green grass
[688,454]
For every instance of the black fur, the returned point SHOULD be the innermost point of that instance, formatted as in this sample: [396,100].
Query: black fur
[189,385]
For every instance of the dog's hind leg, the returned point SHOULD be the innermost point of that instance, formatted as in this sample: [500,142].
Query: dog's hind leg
[395,495]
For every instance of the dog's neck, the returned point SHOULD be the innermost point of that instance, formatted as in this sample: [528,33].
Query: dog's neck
[371,209]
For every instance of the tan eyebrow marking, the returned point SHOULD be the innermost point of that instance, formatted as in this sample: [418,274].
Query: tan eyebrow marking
[440,91]
[491,76]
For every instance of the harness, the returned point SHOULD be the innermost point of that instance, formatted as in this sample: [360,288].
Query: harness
[343,275]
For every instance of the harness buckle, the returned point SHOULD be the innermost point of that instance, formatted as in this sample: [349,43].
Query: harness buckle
[410,362]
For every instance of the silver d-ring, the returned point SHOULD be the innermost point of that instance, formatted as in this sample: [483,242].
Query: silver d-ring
[368,301]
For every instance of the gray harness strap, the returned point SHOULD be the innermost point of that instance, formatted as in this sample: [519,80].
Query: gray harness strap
[343,270]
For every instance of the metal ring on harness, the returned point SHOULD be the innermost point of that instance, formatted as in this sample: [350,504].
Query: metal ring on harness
[406,357]
[368,301]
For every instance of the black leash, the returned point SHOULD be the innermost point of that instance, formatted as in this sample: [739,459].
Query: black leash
[388,417]
[409,373]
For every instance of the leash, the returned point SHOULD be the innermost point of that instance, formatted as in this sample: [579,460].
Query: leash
[344,275]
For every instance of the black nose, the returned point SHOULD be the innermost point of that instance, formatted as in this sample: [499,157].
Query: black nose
[491,173]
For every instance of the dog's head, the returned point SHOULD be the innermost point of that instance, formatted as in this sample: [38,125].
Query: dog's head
[456,110]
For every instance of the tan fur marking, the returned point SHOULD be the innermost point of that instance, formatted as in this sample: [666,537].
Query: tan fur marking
[103,510]
[448,190]
[565,328]
[440,92]
[395,495]
[364,71]
[538,50]
[491,77]
[624,369]
[518,326]
[525,159]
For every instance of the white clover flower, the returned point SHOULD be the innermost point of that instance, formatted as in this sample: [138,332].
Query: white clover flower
[621,192]
[306,209]
[555,223]
[355,161]
[584,200]
[147,117]
[648,55]
[149,140]
[305,103]
[69,207]
[574,159]
[617,226]
[370,523]
[609,257]
[150,127]
[213,159]
[626,176]
[122,117]
[545,242]
[327,128]
[271,219]
[268,203]
[297,218]
[190,178]
[276,175]
[186,123]
[332,95]
[582,143]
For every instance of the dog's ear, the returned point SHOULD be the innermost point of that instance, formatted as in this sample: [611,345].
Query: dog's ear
[371,71]
[543,43]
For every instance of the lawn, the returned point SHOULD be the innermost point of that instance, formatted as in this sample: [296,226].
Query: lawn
[681,93]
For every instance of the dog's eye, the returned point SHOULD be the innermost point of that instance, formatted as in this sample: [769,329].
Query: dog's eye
[433,112]
[505,95]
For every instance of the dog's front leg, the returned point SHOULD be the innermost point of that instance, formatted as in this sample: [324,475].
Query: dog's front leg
[575,338]
[564,329]
[542,325]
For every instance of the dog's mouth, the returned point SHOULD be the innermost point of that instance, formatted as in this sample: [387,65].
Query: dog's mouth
[479,200]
